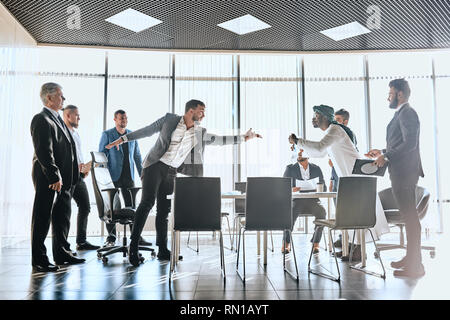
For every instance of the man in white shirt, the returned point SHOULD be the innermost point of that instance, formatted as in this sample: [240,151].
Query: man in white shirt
[304,170]
[80,194]
[343,153]
[179,148]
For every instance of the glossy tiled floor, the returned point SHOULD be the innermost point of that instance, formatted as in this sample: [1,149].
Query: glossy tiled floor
[199,277]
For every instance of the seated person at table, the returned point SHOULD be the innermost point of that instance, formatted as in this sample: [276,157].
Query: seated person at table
[303,170]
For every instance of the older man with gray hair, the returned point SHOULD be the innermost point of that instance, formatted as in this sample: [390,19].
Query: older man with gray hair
[55,173]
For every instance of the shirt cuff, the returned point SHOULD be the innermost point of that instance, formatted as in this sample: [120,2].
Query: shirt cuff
[124,138]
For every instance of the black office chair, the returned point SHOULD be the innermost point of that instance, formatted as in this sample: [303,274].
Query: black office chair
[109,206]
[355,210]
[197,207]
[268,207]
[394,218]
[239,213]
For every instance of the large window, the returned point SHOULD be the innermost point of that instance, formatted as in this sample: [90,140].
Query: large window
[269,105]
[272,94]
[336,81]
[208,78]
[416,69]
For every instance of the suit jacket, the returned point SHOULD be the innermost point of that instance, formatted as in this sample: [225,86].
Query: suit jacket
[402,150]
[115,157]
[293,171]
[193,165]
[55,157]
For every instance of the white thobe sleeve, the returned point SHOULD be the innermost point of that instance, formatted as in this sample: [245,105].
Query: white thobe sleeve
[318,149]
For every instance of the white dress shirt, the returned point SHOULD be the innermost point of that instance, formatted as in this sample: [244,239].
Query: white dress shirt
[304,173]
[77,139]
[337,144]
[181,144]
[55,113]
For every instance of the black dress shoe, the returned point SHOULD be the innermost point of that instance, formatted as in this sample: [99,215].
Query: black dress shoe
[143,242]
[87,246]
[133,255]
[399,264]
[409,271]
[165,255]
[45,267]
[69,260]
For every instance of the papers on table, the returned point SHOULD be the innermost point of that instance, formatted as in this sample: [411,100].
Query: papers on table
[307,185]
[232,193]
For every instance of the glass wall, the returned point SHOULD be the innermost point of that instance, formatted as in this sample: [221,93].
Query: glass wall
[336,81]
[417,70]
[272,94]
[269,90]
[208,78]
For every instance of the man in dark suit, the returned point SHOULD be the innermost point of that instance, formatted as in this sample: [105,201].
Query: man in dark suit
[303,170]
[405,167]
[179,148]
[55,172]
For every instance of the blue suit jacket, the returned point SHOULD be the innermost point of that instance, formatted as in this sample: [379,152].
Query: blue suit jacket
[115,157]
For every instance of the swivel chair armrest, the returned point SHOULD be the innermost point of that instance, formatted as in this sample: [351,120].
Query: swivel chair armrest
[112,193]
[133,192]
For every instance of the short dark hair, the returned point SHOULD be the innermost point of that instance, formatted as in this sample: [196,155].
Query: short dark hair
[401,85]
[193,104]
[119,112]
[343,113]
[70,108]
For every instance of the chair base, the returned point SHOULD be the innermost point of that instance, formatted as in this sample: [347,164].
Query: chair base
[119,249]
[173,260]
[329,276]
[243,275]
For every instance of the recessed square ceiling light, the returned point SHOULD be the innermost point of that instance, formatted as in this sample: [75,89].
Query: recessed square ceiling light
[244,25]
[133,20]
[346,31]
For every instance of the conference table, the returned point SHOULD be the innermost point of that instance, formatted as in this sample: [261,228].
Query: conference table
[236,196]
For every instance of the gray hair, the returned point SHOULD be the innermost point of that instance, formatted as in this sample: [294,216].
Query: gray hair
[49,89]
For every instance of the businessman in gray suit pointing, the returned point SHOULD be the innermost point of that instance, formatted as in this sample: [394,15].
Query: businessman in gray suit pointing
[179,148]
[402,154]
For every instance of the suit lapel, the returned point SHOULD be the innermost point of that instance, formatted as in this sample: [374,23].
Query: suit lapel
[64,130]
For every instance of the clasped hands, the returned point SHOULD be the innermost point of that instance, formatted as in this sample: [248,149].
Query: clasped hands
[376,154]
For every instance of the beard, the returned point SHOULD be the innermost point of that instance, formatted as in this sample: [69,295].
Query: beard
[74,125]
[394,103]
[315,124]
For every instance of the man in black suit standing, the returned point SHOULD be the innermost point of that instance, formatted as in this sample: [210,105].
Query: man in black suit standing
[55,171]
[303,170]
[405,167]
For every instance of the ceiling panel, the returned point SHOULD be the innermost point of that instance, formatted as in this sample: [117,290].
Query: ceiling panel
[192,24]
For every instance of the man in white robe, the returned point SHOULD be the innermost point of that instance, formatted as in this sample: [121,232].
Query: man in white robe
[340,148]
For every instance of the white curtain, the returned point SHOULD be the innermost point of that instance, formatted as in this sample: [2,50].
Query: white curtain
[18,105]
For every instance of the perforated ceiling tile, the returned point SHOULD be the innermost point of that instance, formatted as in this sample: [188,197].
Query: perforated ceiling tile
[192,24]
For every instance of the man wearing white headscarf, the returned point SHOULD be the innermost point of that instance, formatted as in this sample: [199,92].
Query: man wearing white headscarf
[338,144]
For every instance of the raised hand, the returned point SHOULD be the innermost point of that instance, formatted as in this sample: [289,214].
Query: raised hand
[116,144]
[251,135]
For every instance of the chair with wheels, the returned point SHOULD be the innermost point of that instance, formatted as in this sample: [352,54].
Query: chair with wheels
[355,210]
[109,206]
[394,218]
[268,207]
[197,208]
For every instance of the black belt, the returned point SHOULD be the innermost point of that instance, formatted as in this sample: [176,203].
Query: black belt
[169,167]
